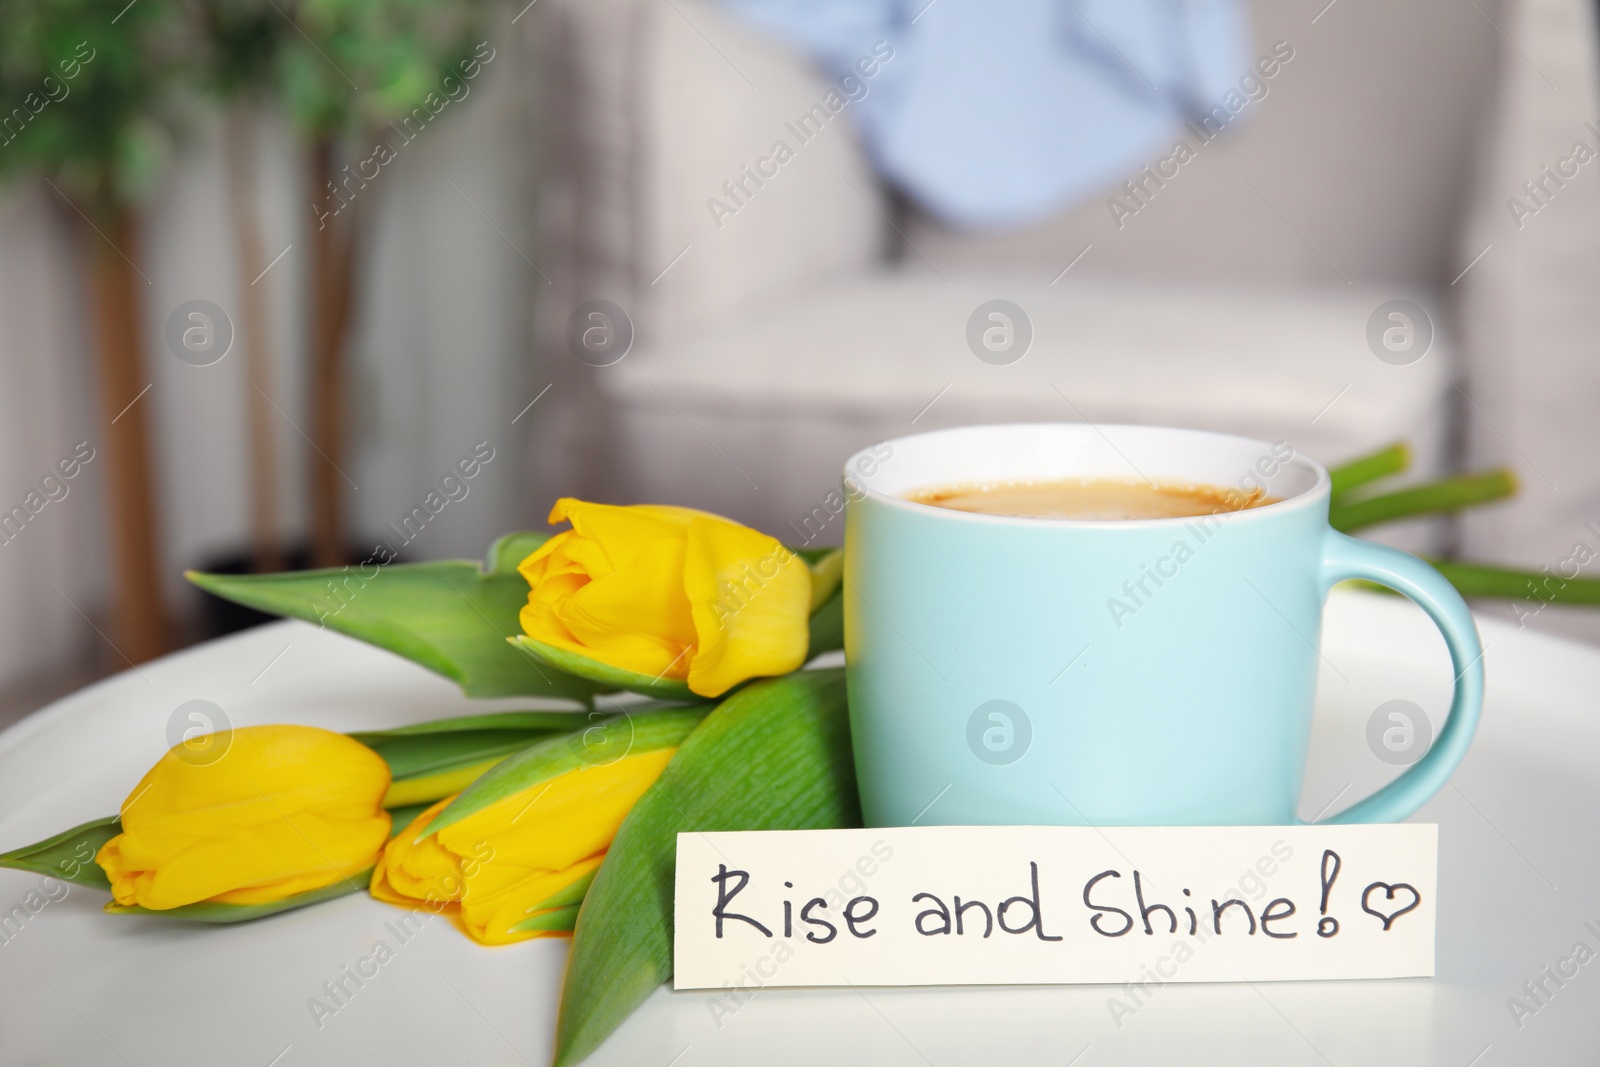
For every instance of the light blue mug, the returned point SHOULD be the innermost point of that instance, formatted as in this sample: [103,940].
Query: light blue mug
[1142,672]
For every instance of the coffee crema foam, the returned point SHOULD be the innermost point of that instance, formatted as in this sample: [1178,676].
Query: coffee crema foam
[1103,499]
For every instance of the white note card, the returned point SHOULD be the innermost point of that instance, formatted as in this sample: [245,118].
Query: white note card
[986,905]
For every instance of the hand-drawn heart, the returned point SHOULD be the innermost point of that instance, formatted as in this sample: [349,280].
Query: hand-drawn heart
[1390,892]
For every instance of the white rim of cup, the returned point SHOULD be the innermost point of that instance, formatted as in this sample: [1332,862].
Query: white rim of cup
[1319,490]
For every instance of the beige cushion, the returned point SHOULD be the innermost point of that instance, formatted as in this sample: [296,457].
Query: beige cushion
[755,419]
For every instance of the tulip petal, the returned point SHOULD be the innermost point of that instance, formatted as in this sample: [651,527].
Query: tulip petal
[558,913]
[654,590]
[751,600]
[633,616]
[607,740]
[283,811]
[547,559]
[556,823]
[414,871]
[530,855]
[282,859]
[620,532]
[638,616]
[208,911]
[827,576]
[498,922]
[567,507]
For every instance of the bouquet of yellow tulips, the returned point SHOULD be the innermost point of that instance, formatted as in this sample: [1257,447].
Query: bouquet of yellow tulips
[514,824]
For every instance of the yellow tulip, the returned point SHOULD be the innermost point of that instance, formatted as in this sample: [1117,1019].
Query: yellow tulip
[284,810]
[512,860]
[668,592]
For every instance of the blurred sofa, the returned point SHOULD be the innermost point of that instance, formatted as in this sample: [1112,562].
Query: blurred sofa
[1249,292]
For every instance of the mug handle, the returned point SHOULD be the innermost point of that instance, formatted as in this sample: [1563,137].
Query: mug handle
[1346,557]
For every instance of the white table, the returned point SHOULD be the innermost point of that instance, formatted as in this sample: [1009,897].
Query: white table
[1519,878]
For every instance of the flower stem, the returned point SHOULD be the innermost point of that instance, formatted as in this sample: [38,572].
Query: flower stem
[1476,579]
[1364,469]
[1446,494]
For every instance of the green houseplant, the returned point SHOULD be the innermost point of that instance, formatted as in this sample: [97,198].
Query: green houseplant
[236,54]
[360,79]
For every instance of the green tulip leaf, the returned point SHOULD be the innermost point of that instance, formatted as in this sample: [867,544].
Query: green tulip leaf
[528,721]
[603,675]
[827,626]
[68,855]
[560,909]
[416,752]
[451,616]
[401,816]
[572,895]
[558,920]
[607,739]
[774,756]
[511,549]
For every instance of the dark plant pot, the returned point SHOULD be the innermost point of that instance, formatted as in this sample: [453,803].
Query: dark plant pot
[219,617]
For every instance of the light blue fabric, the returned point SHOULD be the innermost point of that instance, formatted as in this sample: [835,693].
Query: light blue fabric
[997,113]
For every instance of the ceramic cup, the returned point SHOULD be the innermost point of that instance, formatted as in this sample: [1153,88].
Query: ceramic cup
[1143,672]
